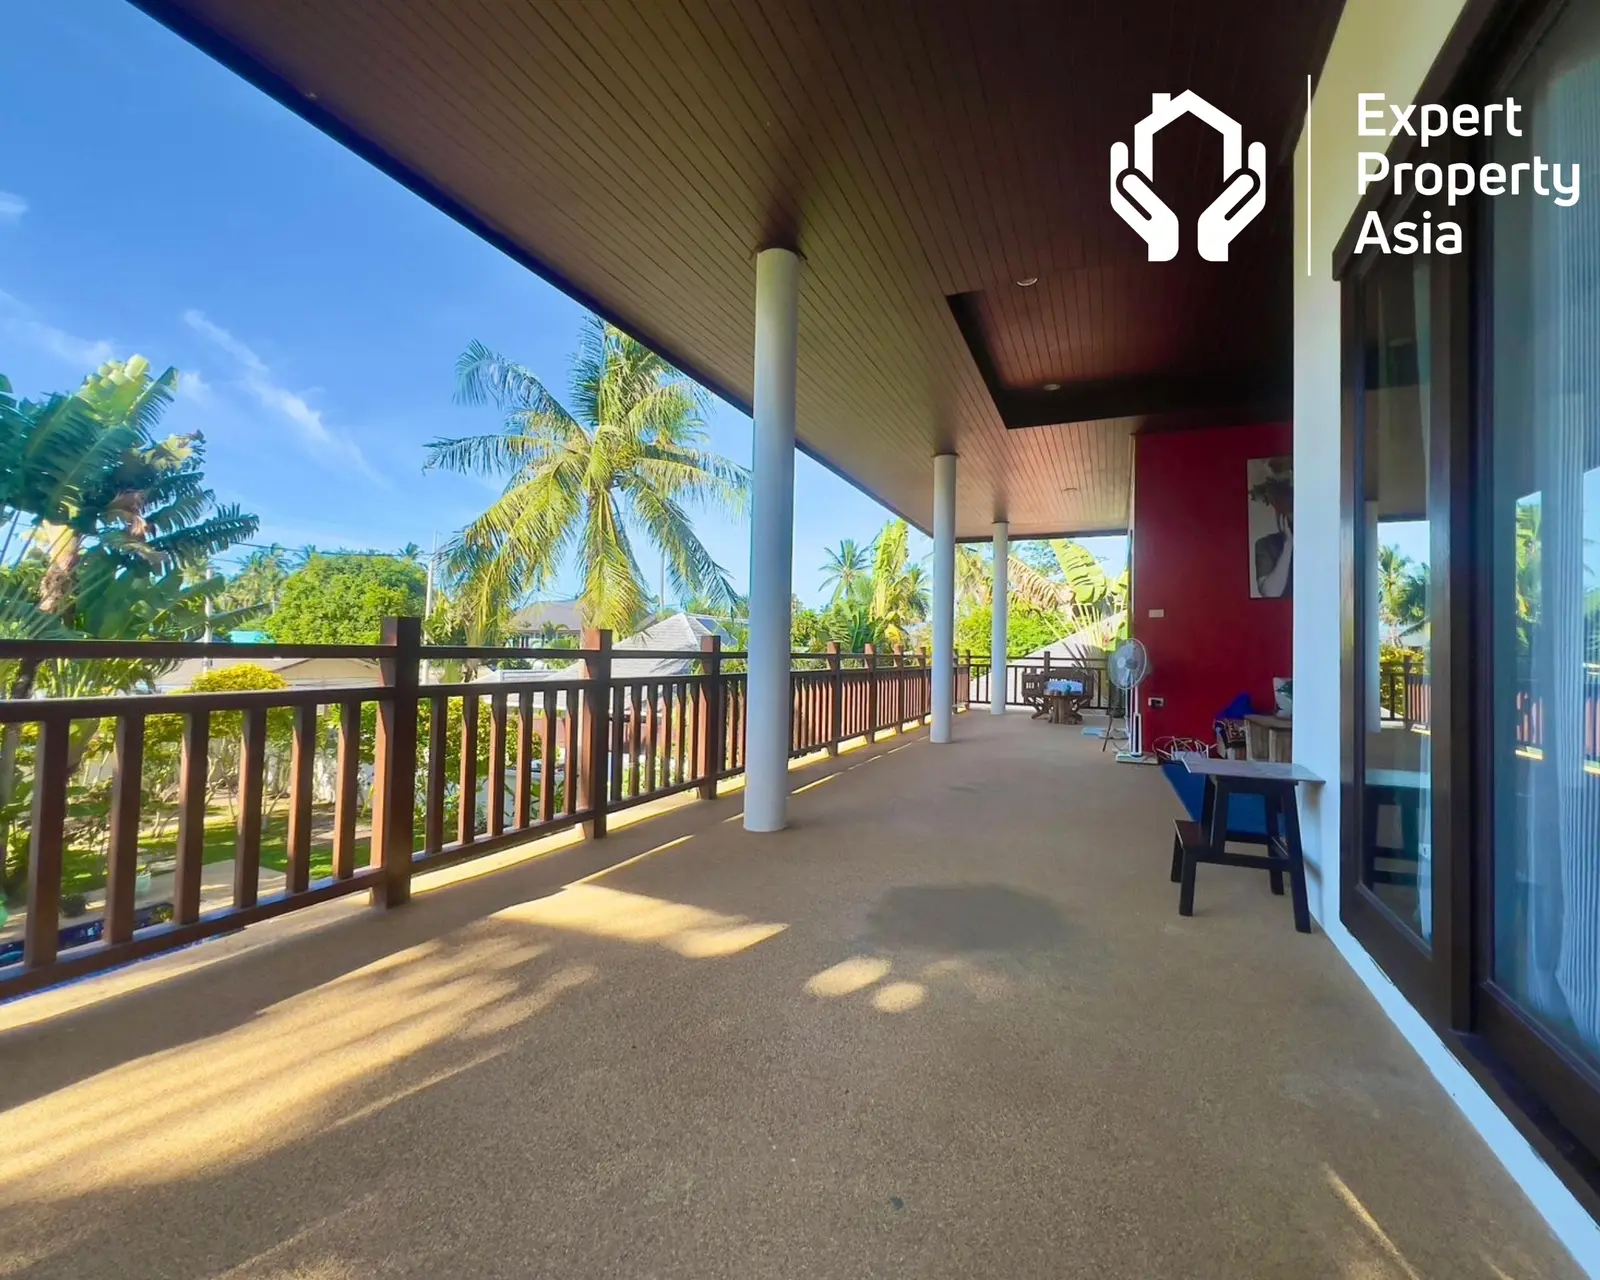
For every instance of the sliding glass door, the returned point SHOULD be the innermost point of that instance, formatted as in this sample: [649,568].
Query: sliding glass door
[1540,929]
[1470,772]
[1401,439]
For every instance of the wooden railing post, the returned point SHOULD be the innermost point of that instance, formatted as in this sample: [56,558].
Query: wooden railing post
[247,844]
[835,698]
[899,689]
[596,731]
[712,736]
[122,861]
[925,686]
[194,767]
[871,652]
[966,680]
[42,932]
[394,787]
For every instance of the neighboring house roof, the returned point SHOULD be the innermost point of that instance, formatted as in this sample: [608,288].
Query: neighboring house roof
[678,632]
[299,673]
[1092,641]
[564,615]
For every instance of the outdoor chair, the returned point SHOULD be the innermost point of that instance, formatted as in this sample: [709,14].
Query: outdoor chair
[1033,692]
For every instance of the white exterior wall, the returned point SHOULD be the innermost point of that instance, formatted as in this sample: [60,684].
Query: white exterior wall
[1380,47]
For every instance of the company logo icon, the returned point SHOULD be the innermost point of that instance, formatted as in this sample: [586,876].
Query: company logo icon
[1138,205]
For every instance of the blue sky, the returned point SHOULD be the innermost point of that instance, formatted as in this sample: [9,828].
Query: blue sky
[152,202]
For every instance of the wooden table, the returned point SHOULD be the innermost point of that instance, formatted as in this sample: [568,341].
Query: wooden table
[1276,783]
[1269,738]
[1064,708]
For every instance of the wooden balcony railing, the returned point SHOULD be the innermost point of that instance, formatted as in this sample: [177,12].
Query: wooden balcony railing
[118,804]
[1092,671]
[1405,697]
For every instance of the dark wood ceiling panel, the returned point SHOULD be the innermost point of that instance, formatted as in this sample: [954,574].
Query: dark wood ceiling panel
[639,152]
[1053,331]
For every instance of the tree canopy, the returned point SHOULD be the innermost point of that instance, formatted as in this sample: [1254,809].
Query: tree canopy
[621,460]
[1403,592]
[117,521]
[847,570]
[109,529]
[344,599]
[1027,629]
[900,588]
[258,582]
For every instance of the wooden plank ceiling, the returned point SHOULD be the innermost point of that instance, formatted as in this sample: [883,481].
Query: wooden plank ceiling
[924,157]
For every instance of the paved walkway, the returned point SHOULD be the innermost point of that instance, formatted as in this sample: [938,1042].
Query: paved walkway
[950,1024]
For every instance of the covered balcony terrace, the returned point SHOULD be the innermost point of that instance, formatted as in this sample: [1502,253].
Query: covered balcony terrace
[948,1023]
[818,1004]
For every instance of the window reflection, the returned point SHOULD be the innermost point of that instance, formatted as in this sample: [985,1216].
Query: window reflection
[1545,494]
[1396,802]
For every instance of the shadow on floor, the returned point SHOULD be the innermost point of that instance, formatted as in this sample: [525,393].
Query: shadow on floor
[962,918]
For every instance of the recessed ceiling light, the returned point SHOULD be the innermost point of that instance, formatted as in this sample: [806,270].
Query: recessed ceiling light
[1052,386]
[1028,281]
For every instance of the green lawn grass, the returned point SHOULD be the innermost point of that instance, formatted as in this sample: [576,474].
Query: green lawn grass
[84,870]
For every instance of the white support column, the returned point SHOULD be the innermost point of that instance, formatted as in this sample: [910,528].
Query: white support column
[766,787]
[944,594]
[998,641]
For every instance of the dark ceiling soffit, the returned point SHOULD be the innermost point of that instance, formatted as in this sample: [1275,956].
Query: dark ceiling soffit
[1153,395]
[1205,397]
[964,310]
[1261,412]
[238,60]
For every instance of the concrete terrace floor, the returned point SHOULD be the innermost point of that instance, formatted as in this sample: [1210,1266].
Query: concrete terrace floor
[949,1024]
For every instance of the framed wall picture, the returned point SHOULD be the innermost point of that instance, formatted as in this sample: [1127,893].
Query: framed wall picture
[1271,512]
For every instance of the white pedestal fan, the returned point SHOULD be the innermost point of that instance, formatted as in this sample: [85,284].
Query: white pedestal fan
[1128,666]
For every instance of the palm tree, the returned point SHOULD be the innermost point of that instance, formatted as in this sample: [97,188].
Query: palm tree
[1402,592]
[974,578]
[846,569]
[116,520]
[900,595]
[624,459]
[1078,589]
[259,581]
[93,481]
[851,624]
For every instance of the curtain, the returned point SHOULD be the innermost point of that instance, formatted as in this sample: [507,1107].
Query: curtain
[1561,913]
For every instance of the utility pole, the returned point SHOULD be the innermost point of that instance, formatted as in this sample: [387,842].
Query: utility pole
[427,601]
[427,605]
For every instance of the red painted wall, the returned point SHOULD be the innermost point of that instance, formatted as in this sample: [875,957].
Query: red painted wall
[1191,560]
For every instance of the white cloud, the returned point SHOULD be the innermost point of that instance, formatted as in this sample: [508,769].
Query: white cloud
[12,206]
[193,386]
[322,440]
[216,334]
[19,323]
